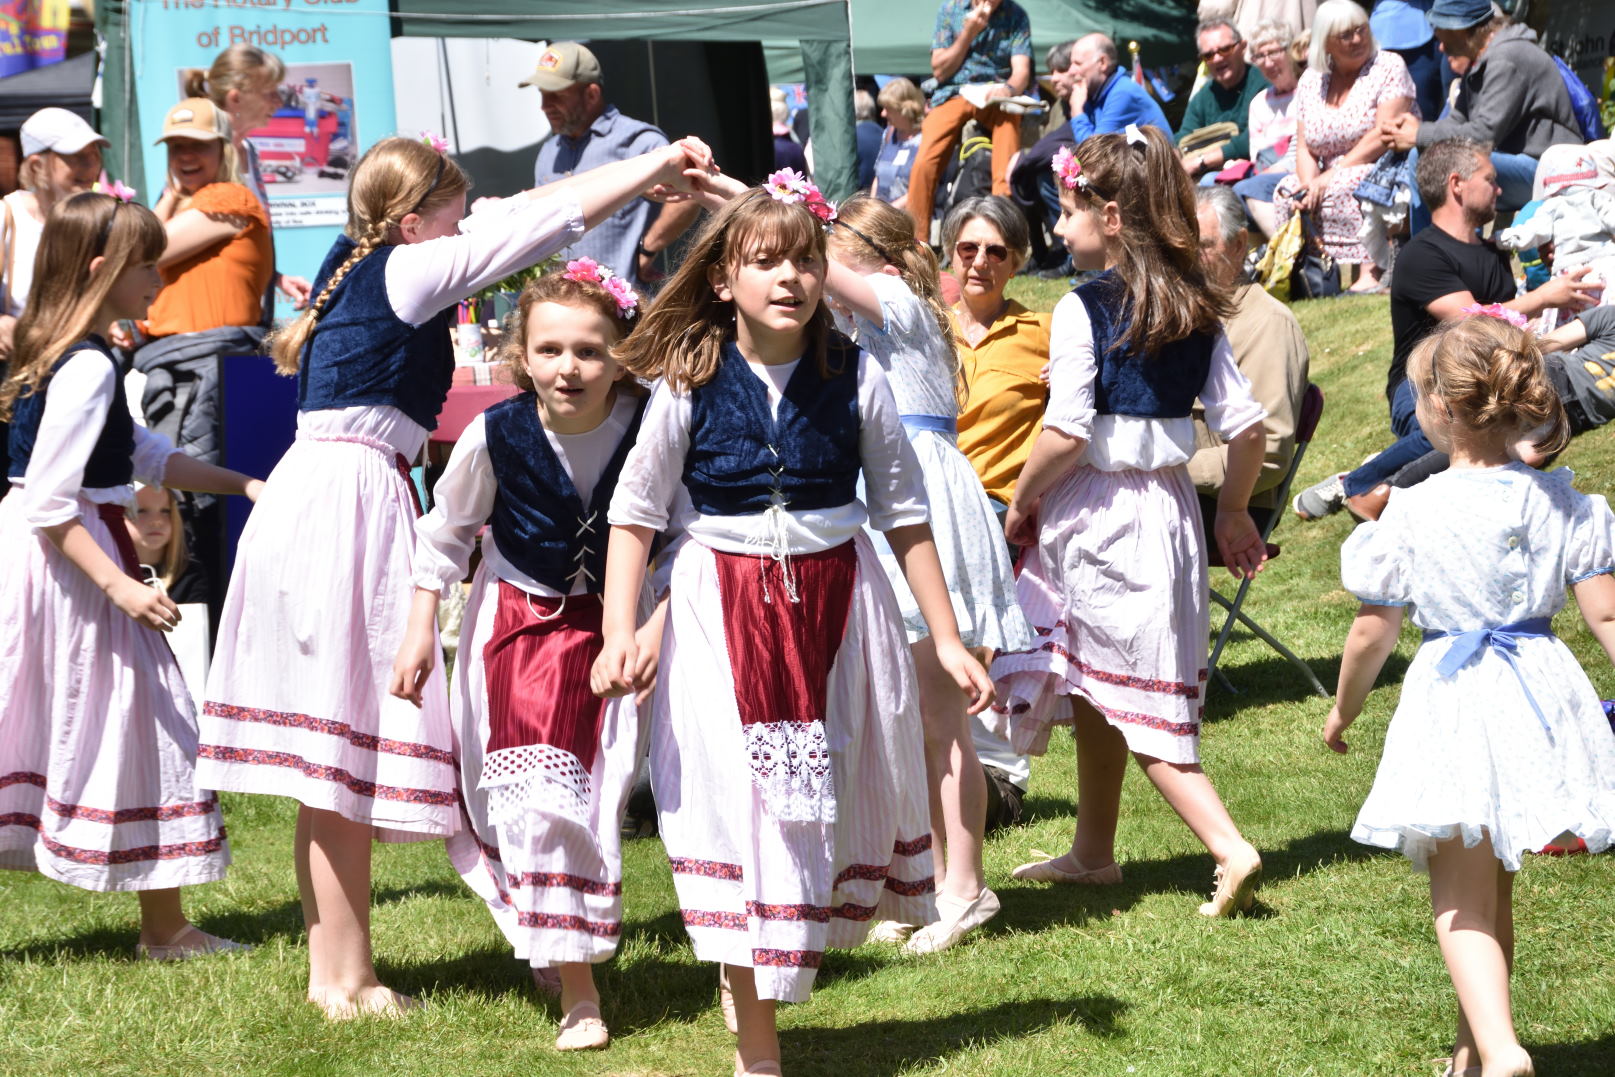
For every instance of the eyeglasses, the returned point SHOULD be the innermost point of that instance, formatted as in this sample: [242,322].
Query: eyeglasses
[1222,52]
[1268,54]
[967,251]
[1351,33]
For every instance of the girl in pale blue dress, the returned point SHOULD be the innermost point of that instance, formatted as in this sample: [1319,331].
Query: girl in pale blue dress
[1499,743]
[885,291]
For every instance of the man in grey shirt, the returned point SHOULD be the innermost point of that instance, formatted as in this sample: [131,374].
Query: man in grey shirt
[1581,364]
[585,132]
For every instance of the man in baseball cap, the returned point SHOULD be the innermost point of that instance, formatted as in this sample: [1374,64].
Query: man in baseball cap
[58,131]
[586,131]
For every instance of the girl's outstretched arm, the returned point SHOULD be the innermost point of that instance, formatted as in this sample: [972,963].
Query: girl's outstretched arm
[616,671]
[185,472]
[417,655]
[1369,643]
[1596,597]
[916,552]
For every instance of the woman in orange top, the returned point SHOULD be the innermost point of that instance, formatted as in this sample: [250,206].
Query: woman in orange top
[1003,347]
[216,271]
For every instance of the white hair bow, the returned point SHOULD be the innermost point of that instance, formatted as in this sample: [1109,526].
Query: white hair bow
[1135,137]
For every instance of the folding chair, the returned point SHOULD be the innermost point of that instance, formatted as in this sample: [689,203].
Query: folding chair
[1305,427]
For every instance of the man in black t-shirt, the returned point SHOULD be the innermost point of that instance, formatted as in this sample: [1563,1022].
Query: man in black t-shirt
[1442,270]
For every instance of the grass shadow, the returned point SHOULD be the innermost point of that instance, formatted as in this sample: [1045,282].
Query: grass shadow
[886,1047]
[1274,680]
[1589,1058]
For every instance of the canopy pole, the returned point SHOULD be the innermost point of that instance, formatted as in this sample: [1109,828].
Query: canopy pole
[827,66]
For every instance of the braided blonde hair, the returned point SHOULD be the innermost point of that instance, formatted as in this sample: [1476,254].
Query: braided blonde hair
[395,177]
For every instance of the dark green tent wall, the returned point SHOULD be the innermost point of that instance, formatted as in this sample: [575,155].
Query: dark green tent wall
[820,30]
[893,37]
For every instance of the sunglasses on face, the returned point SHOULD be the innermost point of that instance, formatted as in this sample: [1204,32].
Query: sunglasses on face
[1221,52]
[1351,33]
[966,252]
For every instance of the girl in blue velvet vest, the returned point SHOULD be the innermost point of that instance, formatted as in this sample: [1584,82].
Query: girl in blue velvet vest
[97,730]
[786,748]
[1114,581]
[545,765]
[297,701]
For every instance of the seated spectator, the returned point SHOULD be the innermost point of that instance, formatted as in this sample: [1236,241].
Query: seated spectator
[1269,349]
[1226,98]
[1103,98]
[1272,121]
[1003,347]
[1442,270]
[1581,363]
[902,106]
[868,135]
[1511,96]
[1576,215]
[1403,27]
[787,151]
[986,45]
[1350,90]
[1031,179]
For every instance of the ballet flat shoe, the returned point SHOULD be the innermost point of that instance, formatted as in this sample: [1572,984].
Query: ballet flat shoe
[582,1029]
[198,943]
[763,1067]
[956,919]
[1236,884]
[1044,871]
[889,931]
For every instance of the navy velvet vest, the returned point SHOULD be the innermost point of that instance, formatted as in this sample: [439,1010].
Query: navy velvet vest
[537,513]
[362,353]
[111,462]
[1159,386]
[741,457]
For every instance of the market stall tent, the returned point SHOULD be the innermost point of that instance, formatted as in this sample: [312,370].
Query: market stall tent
[821,29]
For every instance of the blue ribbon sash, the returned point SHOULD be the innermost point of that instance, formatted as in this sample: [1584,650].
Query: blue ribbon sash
[1505,640]
[940,424]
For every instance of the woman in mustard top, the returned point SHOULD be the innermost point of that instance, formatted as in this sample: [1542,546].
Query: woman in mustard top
[1003,347]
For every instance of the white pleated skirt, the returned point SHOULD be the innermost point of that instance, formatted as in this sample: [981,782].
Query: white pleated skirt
[755,890]
[1116,593]
[98,738]
[297,701]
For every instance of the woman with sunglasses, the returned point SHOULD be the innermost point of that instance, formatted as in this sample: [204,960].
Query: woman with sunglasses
[1003,347]
[1351,89]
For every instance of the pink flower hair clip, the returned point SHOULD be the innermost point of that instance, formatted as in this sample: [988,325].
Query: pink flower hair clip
[436,141]
[790,186]
[1496,310]
[1068,170]
[117,189]
[589,271]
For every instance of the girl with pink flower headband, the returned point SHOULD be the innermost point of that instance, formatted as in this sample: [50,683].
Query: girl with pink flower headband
[545,767]
[786,746]
[298,702]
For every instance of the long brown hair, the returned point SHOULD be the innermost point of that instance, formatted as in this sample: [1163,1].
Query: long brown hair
[681,337]
[870,230]
[65,302]
[556,288]
[1157,254]
[1491,377]
[395,177]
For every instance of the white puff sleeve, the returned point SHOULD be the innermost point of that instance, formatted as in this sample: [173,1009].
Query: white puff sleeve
[1376,561]
[1590,541]
[1072,370]
[462,501]
[893,483]
[653,474]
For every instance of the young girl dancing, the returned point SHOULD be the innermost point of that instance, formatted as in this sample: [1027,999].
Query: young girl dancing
[97,732]
[1499,743]
[786,751]
[1114,579]
[298,701]
[545,766]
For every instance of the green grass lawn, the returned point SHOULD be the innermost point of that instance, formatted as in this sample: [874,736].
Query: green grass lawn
[1336,973]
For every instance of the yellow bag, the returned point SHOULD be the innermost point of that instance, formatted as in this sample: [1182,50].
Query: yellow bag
[1277,264]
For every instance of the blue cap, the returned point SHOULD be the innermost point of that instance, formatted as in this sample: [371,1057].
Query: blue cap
[1459,14]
